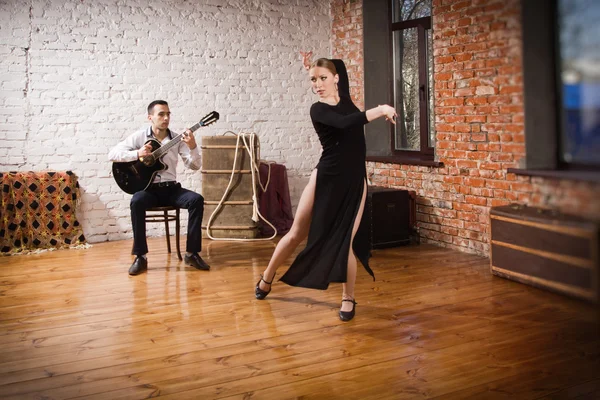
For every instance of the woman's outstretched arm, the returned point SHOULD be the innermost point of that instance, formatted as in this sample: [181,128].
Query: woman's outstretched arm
[384,110]
[324,114]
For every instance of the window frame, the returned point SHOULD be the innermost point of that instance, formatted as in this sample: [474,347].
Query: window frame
[426,151]
[543,96]
[379,86]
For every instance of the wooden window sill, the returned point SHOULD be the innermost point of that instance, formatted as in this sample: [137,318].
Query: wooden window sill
[588,176]
[405,161]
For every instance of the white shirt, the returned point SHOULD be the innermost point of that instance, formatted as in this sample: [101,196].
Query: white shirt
[127,150]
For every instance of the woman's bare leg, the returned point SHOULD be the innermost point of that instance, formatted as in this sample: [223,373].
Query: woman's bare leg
[297,233]
[348,287]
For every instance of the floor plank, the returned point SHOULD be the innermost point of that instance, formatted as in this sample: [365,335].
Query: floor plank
[434,324]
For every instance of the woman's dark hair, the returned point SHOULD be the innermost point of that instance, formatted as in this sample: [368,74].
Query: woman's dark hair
[154,103]
[325,63]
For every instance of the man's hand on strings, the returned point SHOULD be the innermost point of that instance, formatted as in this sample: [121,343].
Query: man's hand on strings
[145,150]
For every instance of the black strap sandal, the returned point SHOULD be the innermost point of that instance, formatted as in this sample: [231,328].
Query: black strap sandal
[258,292]
[348,315]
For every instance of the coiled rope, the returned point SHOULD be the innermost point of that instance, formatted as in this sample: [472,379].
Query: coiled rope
[249,140]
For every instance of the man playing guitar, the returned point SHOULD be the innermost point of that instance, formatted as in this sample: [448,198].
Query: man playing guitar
[164,189]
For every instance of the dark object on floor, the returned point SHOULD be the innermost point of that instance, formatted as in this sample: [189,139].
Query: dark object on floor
[545,248]
[390,215]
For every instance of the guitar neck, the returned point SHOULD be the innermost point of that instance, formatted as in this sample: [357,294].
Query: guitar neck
[161,151]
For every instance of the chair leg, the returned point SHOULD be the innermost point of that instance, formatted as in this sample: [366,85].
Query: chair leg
[177,233]
[167,230]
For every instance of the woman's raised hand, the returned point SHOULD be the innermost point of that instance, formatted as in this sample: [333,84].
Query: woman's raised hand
[389,112]
[306,59]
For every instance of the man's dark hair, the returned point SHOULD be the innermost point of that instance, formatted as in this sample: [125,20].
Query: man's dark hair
[156,102]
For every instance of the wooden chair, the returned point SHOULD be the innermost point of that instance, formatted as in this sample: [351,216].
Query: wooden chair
[163,214]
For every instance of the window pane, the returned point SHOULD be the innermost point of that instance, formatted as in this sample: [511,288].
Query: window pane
[403,10]
[406,89]
[579,33]
[429,59]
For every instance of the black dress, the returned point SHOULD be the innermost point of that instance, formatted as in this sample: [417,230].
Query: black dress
[341,176]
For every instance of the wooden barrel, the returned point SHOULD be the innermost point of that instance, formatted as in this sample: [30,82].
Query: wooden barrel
[234,218]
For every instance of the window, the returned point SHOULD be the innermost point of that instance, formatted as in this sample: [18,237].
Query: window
[561,69]
[412,50]
[399,71]
[579,81]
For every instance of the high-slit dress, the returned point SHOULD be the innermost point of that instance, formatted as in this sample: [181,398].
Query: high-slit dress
[341,180]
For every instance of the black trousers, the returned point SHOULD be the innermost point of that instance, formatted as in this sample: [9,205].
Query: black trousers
[173,195]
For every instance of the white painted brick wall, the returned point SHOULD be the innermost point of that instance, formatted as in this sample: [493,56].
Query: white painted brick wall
[76,77]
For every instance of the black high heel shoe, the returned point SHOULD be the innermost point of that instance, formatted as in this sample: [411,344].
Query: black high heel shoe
[258,292]
[348,315]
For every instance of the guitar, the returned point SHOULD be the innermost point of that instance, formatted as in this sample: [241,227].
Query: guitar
[137,175]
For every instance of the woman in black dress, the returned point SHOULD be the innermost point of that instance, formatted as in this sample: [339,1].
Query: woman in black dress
[331,205]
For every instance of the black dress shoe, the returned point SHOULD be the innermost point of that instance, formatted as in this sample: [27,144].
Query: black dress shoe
[258,292]
[140,264]
[348,315]
[196,261]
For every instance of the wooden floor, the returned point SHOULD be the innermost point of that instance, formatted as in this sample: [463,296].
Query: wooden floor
[435,324]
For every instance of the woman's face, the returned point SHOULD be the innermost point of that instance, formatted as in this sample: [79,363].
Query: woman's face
[323,82]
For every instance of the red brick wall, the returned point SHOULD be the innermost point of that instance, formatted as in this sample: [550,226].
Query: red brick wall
[479,124]
[347,43]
